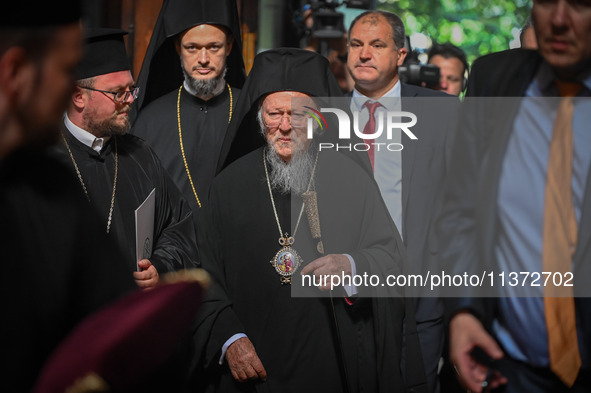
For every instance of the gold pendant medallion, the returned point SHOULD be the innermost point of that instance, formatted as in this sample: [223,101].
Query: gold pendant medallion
[286,261]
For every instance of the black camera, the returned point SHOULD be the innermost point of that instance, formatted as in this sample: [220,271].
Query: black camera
[329,23]
[415,73]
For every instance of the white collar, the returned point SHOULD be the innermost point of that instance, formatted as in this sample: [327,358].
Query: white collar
[84,136]
[359,99]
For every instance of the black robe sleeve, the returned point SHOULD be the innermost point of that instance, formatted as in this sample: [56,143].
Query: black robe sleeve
[139,171]
[217,316]
[176,245]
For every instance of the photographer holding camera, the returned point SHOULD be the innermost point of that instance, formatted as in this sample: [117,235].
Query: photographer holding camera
[453,67]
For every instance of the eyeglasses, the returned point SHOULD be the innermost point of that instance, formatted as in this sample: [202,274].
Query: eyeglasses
[118,96]
[296,119]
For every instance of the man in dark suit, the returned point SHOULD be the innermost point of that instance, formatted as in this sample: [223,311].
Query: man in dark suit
[412,178]
[498,210]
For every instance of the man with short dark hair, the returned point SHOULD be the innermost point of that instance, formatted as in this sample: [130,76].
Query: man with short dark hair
[453,67]
[410,180]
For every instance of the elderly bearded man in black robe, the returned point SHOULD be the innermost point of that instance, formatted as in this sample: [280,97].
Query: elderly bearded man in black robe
[257,335]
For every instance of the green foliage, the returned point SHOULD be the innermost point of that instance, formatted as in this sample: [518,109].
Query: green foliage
[477,26]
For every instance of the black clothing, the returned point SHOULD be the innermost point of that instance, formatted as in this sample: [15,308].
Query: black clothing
[58,263]
[161,70]
[470,220]
[304,343]
[203,125]
[34,14]
[139,173]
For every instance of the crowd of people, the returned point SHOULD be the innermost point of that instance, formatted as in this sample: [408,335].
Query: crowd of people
[162,234]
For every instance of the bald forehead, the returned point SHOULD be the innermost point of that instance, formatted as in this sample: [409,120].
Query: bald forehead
[373,21]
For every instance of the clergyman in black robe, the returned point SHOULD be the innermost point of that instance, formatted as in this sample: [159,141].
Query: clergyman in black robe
[309,341]
[118,171]
[58,266]
[189,83]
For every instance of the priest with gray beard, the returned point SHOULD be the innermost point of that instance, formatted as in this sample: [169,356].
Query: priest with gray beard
[262,327]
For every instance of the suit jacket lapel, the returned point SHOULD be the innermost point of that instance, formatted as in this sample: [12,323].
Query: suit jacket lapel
[488,193]
[503,116]
[583,252]
[519,76]
[409,151]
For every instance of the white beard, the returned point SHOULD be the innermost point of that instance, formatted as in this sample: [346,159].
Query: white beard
[292,176]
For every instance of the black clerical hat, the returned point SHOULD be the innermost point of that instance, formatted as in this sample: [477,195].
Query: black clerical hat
[104,52]
[39,13]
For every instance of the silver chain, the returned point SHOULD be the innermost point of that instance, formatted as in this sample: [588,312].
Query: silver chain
[273,201]
[84,185]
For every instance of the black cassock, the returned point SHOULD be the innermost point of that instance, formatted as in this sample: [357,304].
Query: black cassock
[305,344]
[203,126]
[58,265]
[139,172]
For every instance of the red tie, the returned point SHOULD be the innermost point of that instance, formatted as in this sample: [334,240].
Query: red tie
[370,127]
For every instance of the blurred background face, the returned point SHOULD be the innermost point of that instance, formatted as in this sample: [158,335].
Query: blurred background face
[451,74]
[53,84]
[203,51]
[563,29]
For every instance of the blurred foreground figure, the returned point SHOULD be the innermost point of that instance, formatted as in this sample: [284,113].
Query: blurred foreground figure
[58,265]
[518,201]
[132,345]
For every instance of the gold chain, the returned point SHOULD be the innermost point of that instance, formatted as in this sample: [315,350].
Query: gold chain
[273,201]
[84,186]
[178,116]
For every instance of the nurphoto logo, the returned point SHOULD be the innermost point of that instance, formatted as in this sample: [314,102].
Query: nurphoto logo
[386,121]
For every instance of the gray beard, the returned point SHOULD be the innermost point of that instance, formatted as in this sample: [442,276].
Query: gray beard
[292,176]
[204,87]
